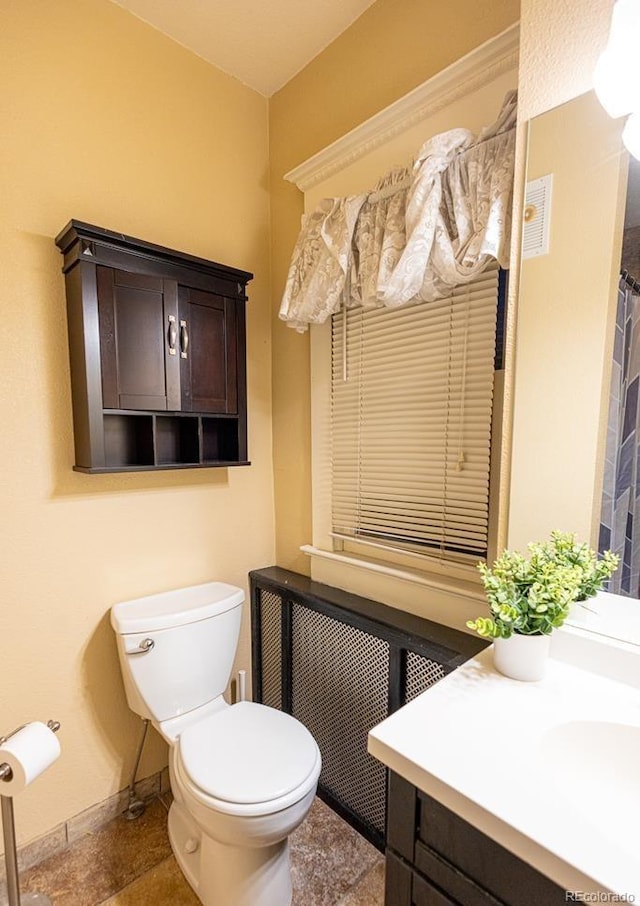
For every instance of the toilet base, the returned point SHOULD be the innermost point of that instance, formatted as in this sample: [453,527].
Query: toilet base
[185,838]
[223,875]
[236,876]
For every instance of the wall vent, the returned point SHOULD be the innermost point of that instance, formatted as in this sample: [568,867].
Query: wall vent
[537,217]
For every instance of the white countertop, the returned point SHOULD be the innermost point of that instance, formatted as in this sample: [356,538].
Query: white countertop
[550,770]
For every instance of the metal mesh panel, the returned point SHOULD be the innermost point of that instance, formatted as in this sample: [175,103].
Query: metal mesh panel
[340,678]
[421,673]
[271,633]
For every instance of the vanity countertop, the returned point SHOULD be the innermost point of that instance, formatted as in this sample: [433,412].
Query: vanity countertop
[550,770]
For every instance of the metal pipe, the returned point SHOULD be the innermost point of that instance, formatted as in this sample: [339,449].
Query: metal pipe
[242,685]
[136,806]
[10,855]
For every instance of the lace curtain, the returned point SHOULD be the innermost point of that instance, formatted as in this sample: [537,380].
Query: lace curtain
[420,232]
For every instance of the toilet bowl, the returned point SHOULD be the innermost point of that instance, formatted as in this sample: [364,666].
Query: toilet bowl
[243,776]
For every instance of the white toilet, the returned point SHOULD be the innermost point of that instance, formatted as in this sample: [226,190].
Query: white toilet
[243,776]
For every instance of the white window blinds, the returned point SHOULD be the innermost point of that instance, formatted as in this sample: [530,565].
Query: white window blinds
[412,392]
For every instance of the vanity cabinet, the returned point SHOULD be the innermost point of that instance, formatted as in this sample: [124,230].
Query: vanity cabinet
[157,346]
[435,858]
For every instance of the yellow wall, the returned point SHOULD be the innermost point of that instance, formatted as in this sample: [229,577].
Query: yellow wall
[562,340]
[107,121]
[565,332]
[393,47]
[559,47]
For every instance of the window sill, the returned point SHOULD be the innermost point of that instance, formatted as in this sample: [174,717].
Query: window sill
[469,590]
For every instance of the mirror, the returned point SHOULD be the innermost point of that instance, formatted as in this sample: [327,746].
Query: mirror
[567,306]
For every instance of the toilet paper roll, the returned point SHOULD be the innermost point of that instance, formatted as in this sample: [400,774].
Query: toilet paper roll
[28,753]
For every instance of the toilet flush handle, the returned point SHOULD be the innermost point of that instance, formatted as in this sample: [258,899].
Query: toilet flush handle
[144,646]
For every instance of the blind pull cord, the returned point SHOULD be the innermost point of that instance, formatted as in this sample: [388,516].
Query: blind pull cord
[445,488]
[461,457]
[360,422]
[345,375]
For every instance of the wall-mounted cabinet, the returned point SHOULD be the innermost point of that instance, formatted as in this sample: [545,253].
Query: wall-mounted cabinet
[158,361]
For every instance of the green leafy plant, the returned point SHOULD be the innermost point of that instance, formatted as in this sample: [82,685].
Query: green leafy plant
[563,548]
[533,595]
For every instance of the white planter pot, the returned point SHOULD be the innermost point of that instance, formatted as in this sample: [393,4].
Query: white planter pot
[522,657]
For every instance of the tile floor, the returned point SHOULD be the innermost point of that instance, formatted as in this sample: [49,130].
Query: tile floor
[129,863]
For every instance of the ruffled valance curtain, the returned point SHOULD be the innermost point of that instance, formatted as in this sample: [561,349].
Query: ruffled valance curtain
[419,233]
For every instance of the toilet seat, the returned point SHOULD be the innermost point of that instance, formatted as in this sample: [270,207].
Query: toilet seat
[248,759]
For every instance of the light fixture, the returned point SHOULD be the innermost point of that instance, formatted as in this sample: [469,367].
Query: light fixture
[615,78]
[614,83]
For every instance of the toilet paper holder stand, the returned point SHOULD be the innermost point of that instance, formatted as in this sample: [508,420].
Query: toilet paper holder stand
[9,835]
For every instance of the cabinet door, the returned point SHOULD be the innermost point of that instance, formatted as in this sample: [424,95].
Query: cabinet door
[208,352]
[138,341]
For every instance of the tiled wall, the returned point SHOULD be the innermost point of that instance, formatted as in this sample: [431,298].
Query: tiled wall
[620,500]
[631,251]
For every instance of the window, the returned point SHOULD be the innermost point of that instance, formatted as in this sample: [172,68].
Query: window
[411,408]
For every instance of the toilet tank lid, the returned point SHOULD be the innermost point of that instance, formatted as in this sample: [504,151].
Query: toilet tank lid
[175,608]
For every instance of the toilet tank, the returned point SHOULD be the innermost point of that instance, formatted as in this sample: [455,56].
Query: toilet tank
[177,648]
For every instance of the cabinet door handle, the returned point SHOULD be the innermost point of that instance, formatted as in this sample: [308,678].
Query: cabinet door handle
[172,335]
[184,339]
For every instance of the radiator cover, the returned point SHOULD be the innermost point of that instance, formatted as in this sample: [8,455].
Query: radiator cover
[341,663]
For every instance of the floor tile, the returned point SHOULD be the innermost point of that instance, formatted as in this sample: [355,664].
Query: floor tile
[327,858]
[164,884]
[369,891]
[104,861]
[129,863]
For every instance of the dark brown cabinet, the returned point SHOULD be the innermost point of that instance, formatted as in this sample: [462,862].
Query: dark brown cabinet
[435,858]
[138,340]
[208,355]
[157,346]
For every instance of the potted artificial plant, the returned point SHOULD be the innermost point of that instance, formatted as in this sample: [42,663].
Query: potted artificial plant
[531,596]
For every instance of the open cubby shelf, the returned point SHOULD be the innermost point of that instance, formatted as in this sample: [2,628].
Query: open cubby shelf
[177,440]
[134,442]
[128,440]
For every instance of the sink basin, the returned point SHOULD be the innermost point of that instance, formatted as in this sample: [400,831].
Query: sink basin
[594,766]
[563,753]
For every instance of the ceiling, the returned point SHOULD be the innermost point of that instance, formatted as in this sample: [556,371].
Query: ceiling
[264,44]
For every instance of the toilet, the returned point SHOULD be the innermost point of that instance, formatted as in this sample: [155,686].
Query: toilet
[243,776]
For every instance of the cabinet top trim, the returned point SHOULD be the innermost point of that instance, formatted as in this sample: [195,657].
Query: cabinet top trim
[453,646]
[76,230]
